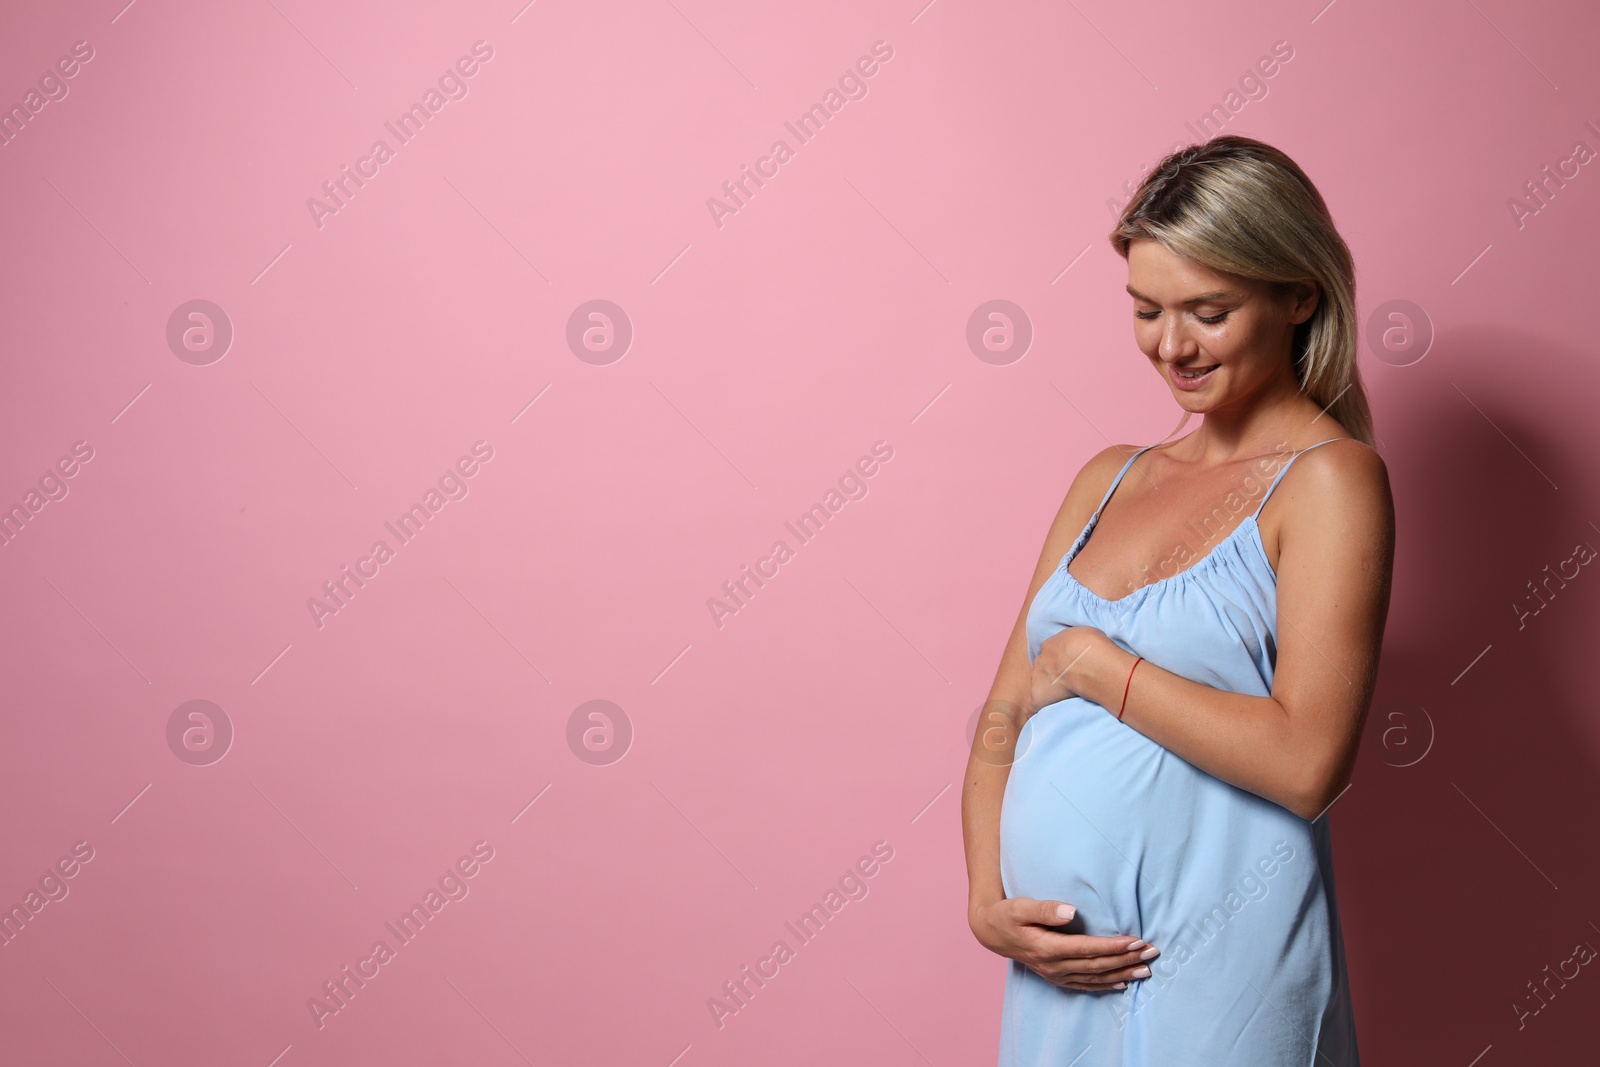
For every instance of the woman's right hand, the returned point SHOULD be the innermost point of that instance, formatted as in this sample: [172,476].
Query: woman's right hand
[1020,928]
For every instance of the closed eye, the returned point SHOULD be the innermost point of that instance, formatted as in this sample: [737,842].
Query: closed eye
[1147,315]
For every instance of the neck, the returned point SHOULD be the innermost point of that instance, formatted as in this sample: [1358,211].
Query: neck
[1278,411]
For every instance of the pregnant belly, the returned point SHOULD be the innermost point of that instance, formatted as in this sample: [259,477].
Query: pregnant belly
[1226,884]
[1138,840]
[1082,821]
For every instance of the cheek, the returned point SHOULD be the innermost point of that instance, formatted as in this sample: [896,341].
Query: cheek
[1147,335]
[1239,337]
[1241,352]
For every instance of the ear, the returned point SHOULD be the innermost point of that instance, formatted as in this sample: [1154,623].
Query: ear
[1303,300]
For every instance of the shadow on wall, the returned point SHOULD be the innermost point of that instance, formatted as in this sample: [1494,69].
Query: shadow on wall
[1468,875]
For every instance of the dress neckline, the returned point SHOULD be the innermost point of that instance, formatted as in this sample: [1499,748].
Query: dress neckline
[1250,520]
[1083,539]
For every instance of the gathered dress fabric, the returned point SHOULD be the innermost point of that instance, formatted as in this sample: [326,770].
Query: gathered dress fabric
[1236,891]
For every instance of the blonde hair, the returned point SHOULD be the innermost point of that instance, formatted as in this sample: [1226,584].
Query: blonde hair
[1241,207]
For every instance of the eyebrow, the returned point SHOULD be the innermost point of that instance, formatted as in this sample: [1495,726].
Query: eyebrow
[1203,298]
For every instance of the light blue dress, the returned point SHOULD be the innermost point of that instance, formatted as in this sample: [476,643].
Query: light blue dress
[1236,891]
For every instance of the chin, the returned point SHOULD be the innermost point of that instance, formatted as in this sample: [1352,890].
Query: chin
[1191,403]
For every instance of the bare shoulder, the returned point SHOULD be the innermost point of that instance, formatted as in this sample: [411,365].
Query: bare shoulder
[1089,487]
[1082,497]
[1339,490]
[1343,473]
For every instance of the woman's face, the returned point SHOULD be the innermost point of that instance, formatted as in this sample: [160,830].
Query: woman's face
[1231,331]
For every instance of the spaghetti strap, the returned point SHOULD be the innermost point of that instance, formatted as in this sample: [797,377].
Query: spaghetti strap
[1285,469]
[1118,480]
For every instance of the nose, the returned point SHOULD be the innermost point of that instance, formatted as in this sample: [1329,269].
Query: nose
[1175,342]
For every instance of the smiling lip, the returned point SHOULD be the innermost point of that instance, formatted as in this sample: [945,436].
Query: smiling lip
[1190,383]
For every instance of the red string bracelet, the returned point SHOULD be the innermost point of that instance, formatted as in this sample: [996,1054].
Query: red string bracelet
[1125,688]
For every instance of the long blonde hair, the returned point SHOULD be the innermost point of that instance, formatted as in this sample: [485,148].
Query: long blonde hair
[1242,207]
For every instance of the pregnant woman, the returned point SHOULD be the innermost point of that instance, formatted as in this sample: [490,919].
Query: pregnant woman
[1181,698]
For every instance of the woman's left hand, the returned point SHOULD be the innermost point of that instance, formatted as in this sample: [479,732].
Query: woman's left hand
[1064,662]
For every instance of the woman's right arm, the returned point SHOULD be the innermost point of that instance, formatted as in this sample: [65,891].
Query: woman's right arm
[1019,928]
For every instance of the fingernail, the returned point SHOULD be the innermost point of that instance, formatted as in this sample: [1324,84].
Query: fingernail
[1150,953]
[1141,972]
[1120,985]
[1065,912]
[1135,945]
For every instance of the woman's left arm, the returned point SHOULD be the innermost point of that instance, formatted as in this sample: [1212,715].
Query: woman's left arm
[1296,747]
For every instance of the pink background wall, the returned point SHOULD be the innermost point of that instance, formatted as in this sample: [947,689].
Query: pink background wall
[369,750]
